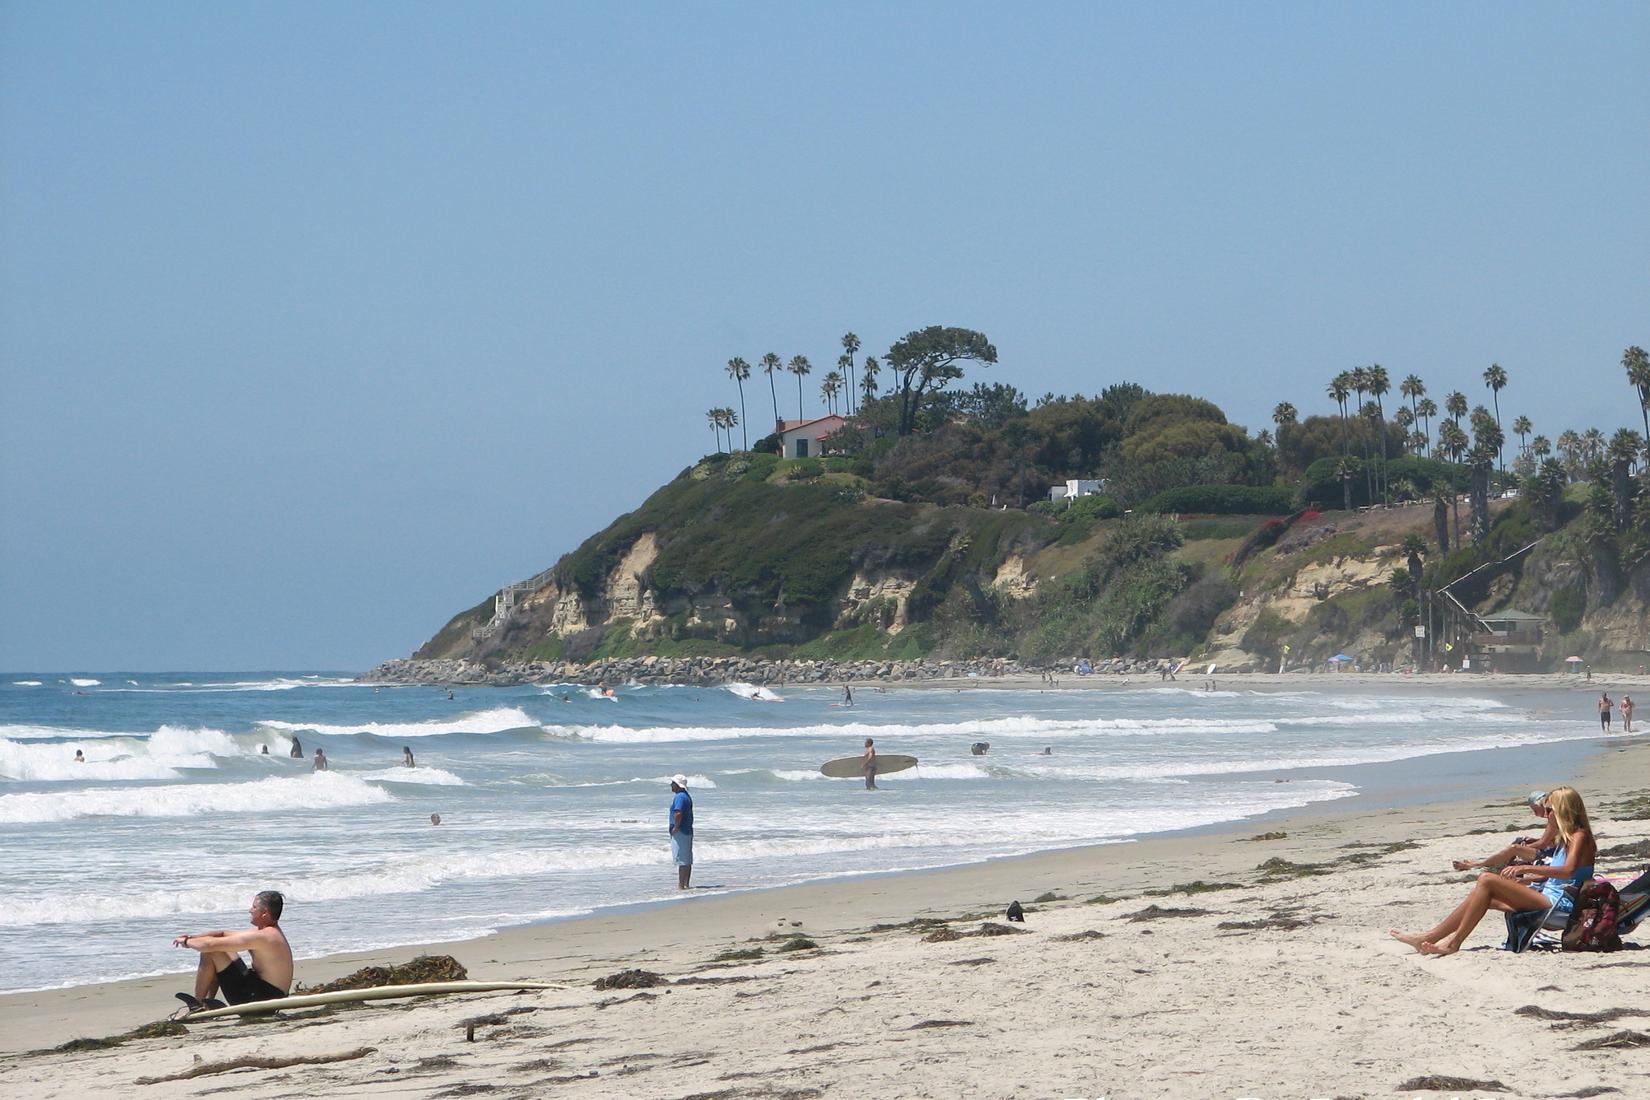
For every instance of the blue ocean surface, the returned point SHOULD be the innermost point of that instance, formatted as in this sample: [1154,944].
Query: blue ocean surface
[553,799]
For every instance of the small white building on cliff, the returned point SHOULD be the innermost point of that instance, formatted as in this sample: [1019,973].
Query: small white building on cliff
[803,438]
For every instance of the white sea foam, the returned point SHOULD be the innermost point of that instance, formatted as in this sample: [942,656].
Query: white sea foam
[27,683]
[752,691]
[1024,726]
[55,763]
[24,731]
[317,791]
[81,682]
[496,720]
[433,777]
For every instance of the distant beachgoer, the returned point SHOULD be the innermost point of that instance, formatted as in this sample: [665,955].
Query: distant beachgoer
[320,760]
[406,755]
[681,830]
[847,696]
[1048,750]
[297,752]
[264,751]
[1524,849]
[449,694]
[79,757]
[870,765]
[1520,888]
[980,748]
[221,969]
[1627,714]
[566,698]
[435,819]
[1604,711]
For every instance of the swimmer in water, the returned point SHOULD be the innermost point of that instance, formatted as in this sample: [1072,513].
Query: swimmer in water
[79,757]
[407,756]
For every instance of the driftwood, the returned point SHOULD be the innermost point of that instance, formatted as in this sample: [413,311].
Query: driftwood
[208,1068]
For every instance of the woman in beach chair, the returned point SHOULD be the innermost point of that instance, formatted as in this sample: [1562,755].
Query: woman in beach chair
[1520,888]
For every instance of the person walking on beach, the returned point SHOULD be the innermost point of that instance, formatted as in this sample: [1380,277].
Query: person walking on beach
[1604,712]
[407,756]
[870,765]
[320,761]
[681,830]
[1627,714]
[221,968]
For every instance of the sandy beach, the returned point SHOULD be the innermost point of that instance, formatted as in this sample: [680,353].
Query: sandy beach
[1274,978]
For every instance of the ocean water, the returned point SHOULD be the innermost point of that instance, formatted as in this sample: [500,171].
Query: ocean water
[554,800]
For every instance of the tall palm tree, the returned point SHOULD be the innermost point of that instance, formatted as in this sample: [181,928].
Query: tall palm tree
[1426,409]
[739,370]
[868,377]
[1592,444]
[1360,385]
[1495,377]
[1637,365]
[850,348]
[800,367]
[1522,428]
[1623,450]
[1570,452]
[1380,385]
[1405,419]
[714,416]
[1413,388]
[1283,413]
[770,364]
[1541,446]
[1340,388]
[829,388]
[1453,442]
[1455,403]
[845,371]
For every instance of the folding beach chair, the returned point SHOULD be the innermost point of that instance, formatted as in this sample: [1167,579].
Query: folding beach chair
[1523,927]
[1635,904]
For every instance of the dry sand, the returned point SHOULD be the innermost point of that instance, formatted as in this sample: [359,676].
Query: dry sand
[1084,1000]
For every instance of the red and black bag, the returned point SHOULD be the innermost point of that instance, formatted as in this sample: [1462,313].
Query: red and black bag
[1592,924]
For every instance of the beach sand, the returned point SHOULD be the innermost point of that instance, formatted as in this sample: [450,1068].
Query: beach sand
[1282,986]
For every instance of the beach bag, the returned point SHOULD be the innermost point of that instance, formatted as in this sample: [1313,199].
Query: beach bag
[1592,924]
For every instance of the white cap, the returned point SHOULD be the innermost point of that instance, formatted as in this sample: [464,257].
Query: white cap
[1535,798]
[679,779]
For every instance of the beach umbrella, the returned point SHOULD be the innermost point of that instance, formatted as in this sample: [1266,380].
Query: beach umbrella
[1340,657]
[1572,660]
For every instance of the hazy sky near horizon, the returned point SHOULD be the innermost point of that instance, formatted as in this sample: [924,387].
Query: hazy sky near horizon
[320,322]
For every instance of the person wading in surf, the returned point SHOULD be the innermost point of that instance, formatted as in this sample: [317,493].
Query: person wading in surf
[221,968]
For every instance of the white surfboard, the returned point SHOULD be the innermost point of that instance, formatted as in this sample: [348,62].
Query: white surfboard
[348,996]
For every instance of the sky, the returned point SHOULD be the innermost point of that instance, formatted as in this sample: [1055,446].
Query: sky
[321,322]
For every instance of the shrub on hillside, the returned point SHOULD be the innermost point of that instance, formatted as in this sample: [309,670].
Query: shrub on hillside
[1566,608]
[1224,500]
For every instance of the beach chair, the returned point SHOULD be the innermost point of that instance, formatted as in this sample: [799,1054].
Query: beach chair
[1635,904]
[1523,927]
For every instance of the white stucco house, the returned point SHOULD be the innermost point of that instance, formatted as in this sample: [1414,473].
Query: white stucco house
[1077,487]
[802,438]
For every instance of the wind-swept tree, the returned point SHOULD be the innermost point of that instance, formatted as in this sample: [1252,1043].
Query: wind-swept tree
[850,348]
[771,363]
[1495,377]
[739,370]
[923,362]
[800,367]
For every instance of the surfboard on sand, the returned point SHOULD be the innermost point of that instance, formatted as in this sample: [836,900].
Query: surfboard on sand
[376,993]
[853,767]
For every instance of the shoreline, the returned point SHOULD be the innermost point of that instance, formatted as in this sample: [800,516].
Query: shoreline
[683,937]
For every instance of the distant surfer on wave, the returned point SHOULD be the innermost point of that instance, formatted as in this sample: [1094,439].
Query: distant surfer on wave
[221,967]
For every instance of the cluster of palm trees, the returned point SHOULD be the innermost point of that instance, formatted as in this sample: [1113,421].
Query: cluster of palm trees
[837,389]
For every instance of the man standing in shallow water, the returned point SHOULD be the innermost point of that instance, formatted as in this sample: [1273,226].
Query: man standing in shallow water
[681,830]
[221,968]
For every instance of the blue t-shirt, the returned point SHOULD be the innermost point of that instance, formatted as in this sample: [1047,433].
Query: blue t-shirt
[684,805]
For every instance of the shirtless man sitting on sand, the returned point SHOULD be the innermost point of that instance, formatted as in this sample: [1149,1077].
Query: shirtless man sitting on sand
[221,968]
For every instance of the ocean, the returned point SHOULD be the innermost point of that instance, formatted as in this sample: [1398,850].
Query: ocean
[553,800]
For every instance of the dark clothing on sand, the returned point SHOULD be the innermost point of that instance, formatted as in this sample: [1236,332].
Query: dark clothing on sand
[239,984]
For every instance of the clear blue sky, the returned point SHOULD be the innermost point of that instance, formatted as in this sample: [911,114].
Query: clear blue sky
[319,322]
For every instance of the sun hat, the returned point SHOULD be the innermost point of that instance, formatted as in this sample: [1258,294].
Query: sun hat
[1535,798]
[681,780]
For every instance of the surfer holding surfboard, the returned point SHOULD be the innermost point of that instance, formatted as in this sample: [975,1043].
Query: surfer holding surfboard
[870,765]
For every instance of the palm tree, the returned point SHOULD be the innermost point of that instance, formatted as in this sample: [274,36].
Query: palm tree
[868,377]
[739,370]
[1283,413]
[1359,380]
[1541,446]
[1453,442]
[800,367]
[845,371]
[1624,450]
[1413,388]
[1455,403]
[829,388]
[1417,443]
[1405,419]
[715,418]
[1592,444]
[1426,409]
[1637,365]
[1495,377]
[1339,388]
[1522,428]
[770,364]
[1378,386]
[850,347]
[1570,452]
